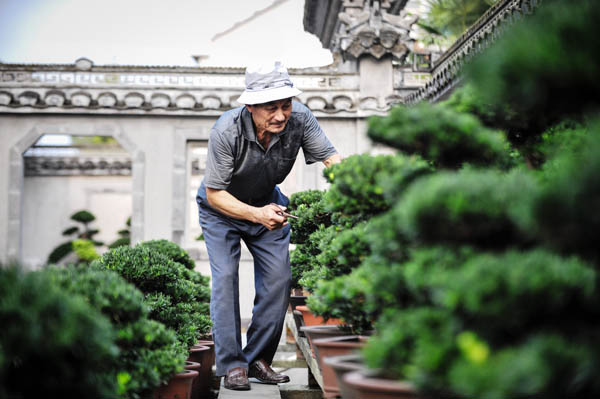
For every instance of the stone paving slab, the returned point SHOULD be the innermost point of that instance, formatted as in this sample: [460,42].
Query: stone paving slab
[257,391]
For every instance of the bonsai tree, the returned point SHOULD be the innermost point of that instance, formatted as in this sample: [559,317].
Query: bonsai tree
[51,341]
[177,254]
[357,193]
[312,217]
[174,296]
[149,352]
[361,188]
[485,279]
[83,244]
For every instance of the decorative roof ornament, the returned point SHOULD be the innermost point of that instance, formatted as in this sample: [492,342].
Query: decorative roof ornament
[366,27]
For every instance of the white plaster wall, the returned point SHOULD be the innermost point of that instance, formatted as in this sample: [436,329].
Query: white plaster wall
[49,203]
[12,130]
[44,219]
[5,144]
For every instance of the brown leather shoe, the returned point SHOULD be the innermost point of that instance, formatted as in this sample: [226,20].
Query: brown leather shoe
[237,379]
[265,374]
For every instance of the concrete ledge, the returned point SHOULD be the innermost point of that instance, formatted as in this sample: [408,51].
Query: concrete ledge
[299,392]
[305,349]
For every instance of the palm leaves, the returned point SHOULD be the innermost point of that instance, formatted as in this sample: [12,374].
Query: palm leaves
[450,18]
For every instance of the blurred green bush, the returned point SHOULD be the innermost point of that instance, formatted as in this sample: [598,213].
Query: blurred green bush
[52,342]
[176,297]
[149,352]
[478,262]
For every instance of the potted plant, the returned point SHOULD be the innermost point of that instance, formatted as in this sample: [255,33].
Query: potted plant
[490,297]
[52,341]
[176,295]
[149,353]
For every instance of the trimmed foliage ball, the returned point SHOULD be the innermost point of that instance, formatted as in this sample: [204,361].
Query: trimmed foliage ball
[483,208]
[52,341]
[441,135]
[149,353]
[174,296]
[171,251]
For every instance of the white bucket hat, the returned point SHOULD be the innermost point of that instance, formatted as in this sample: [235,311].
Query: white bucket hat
[267,83]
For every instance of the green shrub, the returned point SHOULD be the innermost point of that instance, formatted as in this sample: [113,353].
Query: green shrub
[546,78]
[311,213]
[344,252]
[355,190]
[544,366]
[177,254]
[401,173]
[52,342]
[124,236]
[149,353]
[171,251]
[83,242]
[559,143]
[565,213]
[344,297]
[441,135]
[540,291]
[84,217]
[484,208]
[303,259]
[158,277]
[478,275]
[417,344]
[403,284]
[85,250]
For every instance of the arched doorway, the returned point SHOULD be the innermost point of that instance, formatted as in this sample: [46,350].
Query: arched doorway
[21,224]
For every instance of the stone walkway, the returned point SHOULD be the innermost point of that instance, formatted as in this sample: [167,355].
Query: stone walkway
[286,361]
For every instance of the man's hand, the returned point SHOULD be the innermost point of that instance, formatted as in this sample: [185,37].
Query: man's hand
[271,216]
[335,158]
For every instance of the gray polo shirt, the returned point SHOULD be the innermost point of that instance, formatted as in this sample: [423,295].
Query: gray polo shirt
[238,163]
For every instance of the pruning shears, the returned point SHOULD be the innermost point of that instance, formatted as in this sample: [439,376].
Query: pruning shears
[284,214]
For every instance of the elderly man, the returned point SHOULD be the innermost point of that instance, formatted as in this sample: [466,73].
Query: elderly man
[252,149]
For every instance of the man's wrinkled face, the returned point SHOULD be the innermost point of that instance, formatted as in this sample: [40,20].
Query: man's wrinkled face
[272,116]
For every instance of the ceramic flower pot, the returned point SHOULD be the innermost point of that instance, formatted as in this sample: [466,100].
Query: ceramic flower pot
[341,365]
[312,320]
[178,387]
[204,355]
[334,346]
[322,331]
[362,384]
[206,374]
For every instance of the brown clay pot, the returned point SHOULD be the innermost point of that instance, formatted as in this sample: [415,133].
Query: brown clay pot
[341,365]
[364,386]
[334,346]
[178,387]
[312,320]
[322,331]
[297,300]
[196,367]
[202,354]
[206,374]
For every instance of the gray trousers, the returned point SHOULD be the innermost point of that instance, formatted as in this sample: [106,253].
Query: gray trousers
[272,277]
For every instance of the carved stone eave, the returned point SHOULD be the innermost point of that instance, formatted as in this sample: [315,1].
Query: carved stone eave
[110,90]
[446,73]
[353,28]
